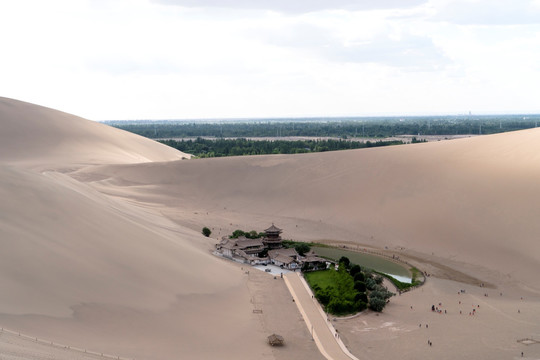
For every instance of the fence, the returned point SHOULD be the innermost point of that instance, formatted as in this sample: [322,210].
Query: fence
[61,346]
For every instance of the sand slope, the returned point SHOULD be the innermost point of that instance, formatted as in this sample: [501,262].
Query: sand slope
[472,200]
[80,268]
[467,206]
[40,136]
[101,244]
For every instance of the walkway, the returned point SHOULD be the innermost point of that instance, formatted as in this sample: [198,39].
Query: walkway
[321,329]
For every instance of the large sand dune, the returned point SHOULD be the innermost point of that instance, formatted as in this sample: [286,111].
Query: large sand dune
[80,268]
[39,136]
[471,200]
[101,244]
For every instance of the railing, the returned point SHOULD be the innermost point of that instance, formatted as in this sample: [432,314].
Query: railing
[61,346]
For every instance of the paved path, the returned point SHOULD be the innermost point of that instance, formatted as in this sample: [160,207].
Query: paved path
[321,329]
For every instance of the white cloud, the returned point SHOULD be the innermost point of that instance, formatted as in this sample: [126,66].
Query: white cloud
[126,59]
[296,6]
[488,12]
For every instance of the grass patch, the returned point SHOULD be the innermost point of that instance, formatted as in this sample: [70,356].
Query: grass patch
[336,292]
[322,278]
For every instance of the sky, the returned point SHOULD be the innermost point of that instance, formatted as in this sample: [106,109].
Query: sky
[203,59]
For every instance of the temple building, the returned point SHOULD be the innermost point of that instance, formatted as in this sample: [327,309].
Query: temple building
[268,250]
[272,238]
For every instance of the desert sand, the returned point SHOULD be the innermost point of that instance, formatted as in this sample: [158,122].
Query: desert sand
[100,232]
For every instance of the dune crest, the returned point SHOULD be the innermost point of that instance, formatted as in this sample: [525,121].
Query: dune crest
[41,137]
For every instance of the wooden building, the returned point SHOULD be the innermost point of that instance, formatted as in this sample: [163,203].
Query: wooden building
[272,238]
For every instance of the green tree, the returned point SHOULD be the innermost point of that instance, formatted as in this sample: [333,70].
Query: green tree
[302,248]
[237,233]
[359,276]
[355,269]
[361,297]
[252,234]
[345,261]
[360,286]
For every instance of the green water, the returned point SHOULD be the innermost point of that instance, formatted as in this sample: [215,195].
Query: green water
[366,260]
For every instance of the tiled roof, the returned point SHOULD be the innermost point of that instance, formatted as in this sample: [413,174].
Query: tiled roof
[284,251]
[273,228]
[248,243]
[283,259]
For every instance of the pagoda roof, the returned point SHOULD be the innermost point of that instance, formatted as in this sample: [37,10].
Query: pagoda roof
[273,228]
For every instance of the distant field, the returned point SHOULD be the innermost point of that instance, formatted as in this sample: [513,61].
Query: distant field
[356,127]
[219,138]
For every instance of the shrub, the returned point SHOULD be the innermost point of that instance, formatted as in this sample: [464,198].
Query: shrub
[377,304]
[370,284]
[206,231]
[381,291]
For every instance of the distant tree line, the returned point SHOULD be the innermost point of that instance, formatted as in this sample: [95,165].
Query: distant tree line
[248,234]
[235,147]
[333,127]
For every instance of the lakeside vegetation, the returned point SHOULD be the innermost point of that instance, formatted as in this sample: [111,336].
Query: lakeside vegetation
[203,148]
[376,263]
[402,286]
[349,289]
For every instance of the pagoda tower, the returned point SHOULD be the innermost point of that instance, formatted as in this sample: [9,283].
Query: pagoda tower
[272,238]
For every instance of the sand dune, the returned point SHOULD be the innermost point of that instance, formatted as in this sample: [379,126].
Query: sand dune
[101,244]
[39,136]
[471,200]
[81,268]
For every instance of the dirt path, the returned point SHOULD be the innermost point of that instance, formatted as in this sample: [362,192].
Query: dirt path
[324,335]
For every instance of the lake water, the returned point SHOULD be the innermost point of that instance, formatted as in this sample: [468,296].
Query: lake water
[377,263]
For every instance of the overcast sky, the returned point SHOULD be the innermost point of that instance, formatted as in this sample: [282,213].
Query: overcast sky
[182,59]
